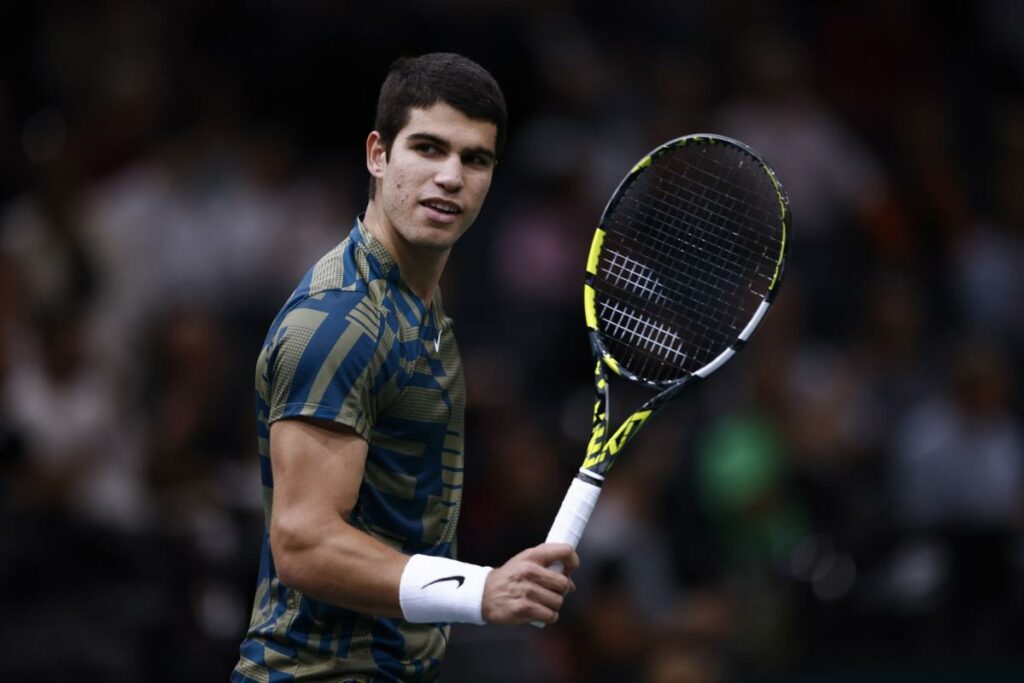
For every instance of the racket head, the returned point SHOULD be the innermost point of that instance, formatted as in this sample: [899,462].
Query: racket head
[690,252]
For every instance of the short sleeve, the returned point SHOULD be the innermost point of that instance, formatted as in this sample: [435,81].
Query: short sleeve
[323,360]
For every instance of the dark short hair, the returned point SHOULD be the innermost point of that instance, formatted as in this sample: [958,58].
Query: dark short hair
[421,82]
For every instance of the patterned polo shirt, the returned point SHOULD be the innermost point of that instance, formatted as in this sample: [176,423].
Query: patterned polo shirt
[355,346]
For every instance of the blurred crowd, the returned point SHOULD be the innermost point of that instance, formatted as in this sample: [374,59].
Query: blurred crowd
[846,496]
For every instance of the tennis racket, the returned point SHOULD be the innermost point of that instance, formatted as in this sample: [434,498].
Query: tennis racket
[688,256]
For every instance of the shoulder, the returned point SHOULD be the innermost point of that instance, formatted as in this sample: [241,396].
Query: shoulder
[323,355]
[323,319]
[340,289]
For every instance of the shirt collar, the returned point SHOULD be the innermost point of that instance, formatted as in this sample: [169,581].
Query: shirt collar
[384,265]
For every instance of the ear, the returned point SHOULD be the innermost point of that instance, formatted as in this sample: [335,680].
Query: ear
[376,155]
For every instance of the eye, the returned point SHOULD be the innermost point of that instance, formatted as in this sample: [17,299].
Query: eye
[427,148]
[479,161]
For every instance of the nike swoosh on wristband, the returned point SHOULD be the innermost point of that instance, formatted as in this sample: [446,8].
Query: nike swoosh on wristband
[460,579]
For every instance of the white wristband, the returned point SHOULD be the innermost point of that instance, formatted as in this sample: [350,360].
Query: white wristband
[437,589]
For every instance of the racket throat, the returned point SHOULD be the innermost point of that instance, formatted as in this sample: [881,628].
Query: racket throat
[627,430]
[588,477]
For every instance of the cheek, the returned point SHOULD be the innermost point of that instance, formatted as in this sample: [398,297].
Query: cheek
[481,193]
[397,193]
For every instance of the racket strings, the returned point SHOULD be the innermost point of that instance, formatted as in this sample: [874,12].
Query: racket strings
[720,262]
[641,331]
[684,279]
[717,212]
[723,264]
[666,208]
[691,250]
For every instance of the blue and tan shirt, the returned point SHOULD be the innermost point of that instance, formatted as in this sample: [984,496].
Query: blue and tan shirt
[355,346]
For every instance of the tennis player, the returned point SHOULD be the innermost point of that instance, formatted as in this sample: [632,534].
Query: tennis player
[359,401]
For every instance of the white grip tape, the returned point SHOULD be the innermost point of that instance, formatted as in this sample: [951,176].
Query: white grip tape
[572,518]
[437,589]
[574,514]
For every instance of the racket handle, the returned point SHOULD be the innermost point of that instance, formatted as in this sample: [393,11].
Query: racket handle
[574,514]
[572,518]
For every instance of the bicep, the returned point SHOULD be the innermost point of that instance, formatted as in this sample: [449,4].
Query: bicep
[317,471]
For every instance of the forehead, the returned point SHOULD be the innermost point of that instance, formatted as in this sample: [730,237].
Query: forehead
[444,121]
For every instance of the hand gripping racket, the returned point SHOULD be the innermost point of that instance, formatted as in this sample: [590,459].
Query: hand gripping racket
[689,254]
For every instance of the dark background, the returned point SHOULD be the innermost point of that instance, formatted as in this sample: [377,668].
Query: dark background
[843,502]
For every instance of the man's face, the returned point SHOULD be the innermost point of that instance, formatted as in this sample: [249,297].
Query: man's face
[433,183]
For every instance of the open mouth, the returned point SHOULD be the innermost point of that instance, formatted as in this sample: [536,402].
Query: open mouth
[442,206]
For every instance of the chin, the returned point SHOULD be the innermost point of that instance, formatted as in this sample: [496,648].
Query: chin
[432,245]
[439,238]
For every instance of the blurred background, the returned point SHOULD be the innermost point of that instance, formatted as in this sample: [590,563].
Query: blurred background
[843,502]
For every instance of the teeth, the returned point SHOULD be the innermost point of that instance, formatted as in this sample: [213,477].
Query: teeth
[442,207]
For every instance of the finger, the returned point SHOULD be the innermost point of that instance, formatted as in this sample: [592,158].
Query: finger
[542,614]
[547,598]
[551,579]
[571,564]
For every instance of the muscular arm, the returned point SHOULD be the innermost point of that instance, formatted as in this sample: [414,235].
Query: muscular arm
[317,473]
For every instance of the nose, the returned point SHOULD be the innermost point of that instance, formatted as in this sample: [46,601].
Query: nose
[449,174]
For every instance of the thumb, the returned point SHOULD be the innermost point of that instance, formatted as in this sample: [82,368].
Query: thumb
[547,554]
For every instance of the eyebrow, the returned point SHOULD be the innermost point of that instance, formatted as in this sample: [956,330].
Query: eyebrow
[441,142]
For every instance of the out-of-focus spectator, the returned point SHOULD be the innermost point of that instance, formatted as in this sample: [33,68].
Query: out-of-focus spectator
[958,486]
[959,456]
[11,440]
[80,451]
[187,413]
[987,257]
[40,232]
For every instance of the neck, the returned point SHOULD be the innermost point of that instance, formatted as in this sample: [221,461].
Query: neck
[421,267]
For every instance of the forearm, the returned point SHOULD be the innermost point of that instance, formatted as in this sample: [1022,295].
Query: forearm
[343,566]
[346,567]
[334,562]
